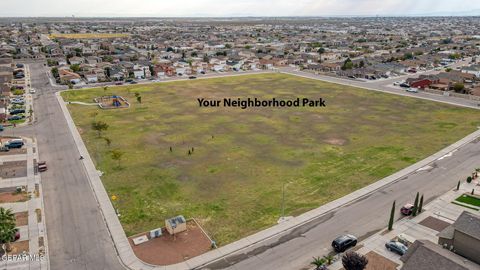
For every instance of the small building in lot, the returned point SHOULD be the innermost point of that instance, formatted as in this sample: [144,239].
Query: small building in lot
[176,224]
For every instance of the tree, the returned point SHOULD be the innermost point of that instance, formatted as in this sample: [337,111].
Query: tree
[348,64]
[392,217]
[415,206]
[354,261]
[99,126]
[459,87]
[321,51]
[469,179]
[117,156]
[139,99]
[317,262]
[362,64]
[7,227]
[75,67]
[458,185]
[420,206]
[108,141]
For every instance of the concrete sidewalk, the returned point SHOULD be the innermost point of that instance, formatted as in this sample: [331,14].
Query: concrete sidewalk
[128,258]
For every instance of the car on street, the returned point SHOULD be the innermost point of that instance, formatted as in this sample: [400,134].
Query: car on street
[1,128]
[192,77]
[32,91]
[42,166]
[407,209]
[397,83]
[133,82]
[404,85]
[412,90]
[343,242]
[396,247]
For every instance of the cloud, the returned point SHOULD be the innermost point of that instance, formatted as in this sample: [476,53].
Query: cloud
[164,8]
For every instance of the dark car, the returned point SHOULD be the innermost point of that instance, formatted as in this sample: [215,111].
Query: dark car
[133,82]
[342,243]
[407,209]
[192,77]
[15,117]
[17,111]
[396,247]
[404,85]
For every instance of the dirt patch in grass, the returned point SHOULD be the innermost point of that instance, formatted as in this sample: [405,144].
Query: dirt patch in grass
[167,250]
[21,219]
[336,141]
[434,223]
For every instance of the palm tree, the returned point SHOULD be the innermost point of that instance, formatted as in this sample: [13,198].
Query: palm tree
[354,261]
[317,262]
[7,227]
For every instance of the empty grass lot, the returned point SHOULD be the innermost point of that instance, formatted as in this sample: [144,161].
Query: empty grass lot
[232,182]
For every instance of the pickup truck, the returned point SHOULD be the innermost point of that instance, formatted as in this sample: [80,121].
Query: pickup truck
[42,166]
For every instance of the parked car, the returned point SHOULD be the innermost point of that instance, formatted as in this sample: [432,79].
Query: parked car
[1,128]
[343,242]
[192,77]
[15,143]
[404,85]
[17,111]
[412,90]
[397,83]
[352,77]
[407,209]
[32,91]
[42,166]
[133,82]
[15,117]
[118,83]
[396,247]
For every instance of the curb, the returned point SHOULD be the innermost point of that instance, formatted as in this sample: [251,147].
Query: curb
[129,259]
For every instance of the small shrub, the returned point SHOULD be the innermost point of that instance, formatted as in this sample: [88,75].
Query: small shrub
[469,179]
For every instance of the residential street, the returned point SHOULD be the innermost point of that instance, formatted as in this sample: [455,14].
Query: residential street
[78,237]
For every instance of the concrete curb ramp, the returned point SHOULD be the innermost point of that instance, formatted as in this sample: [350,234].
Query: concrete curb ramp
[129,259]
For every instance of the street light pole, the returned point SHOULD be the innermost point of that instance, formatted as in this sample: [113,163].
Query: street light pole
[283,200]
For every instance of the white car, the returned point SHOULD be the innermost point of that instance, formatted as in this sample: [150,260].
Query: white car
[397,83]
[32,91]
[412,90]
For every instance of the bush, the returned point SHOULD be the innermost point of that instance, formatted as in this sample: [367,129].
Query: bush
[469,179]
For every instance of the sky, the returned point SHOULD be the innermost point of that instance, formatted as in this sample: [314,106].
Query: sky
[235,8]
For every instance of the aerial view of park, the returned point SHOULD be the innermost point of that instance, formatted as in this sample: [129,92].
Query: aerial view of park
[226,167]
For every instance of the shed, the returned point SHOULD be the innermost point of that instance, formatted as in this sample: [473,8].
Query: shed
[176,224]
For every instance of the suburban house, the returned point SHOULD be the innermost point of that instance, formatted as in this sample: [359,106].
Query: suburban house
[426,255]
[420,83]
[475,70]
[463,236]
[67,76]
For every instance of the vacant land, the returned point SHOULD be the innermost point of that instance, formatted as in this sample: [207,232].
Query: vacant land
[232,181]
[88,35]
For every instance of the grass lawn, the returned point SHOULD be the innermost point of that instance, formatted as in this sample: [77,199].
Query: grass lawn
[88,35]
[469,200]
[232,183]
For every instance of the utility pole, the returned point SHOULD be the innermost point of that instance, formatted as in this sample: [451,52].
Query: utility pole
[283,200]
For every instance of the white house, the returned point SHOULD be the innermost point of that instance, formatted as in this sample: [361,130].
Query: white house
[91,78]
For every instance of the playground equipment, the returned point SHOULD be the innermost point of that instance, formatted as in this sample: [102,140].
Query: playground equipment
[112,102]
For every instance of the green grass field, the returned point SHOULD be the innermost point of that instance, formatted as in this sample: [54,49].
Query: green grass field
[469,200]
[232,182]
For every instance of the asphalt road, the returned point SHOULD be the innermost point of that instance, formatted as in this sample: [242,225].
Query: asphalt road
[77,235]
